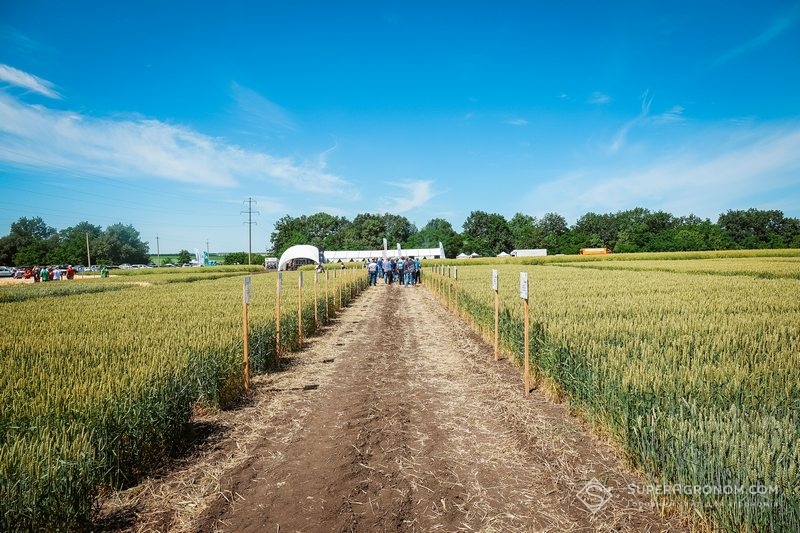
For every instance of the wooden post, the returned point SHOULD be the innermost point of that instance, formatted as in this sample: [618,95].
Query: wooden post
[327,315]
[278,290]
[523,292]
[496,315]
[300,307]
[245,301]
[449,286]
[316,312]
[455,292]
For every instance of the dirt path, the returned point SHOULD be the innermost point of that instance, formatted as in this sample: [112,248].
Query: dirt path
[396,419]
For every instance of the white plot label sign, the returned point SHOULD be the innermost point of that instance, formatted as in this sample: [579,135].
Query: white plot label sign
[523,285]
[246,289]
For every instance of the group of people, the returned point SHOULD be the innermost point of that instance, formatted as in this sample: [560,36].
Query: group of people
[47,273]
[50,273]
[405,270]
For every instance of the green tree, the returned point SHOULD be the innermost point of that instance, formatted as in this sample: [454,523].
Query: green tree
[756,228]
[365,233]
[397,228]
[121,244]
[72,243]
[185,257]
[320,229]
[325,231]
[524,232]
[435,231]
[486,233]
[29,241]
[240,258]
[553,228]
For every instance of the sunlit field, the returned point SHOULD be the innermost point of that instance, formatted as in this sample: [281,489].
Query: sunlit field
[100,375]
[691,365]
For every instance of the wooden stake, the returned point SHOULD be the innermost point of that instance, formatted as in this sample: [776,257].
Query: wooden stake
[527,363]
[300,308]
[523,293]
[327,315]
[496,325]
[245,330]
[278,287]
[316,312]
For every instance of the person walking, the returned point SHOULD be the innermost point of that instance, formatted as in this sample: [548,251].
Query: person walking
[372,270]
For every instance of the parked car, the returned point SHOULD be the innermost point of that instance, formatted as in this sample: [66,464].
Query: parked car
[6,272]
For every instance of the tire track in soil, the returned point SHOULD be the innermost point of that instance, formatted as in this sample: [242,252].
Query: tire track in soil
[414,427]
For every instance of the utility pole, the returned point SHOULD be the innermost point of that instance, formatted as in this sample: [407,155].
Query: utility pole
[158,251]
[208,250]
[250,223]
[88,257]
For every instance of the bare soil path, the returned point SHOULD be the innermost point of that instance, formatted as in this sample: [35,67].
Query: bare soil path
[397,418]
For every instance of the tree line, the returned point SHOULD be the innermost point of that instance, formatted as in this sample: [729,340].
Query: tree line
[31,241]
[488,234]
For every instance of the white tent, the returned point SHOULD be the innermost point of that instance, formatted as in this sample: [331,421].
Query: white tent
[361,255]
[503,254]
[462,255]
[534,252]
[299,251]
[474,254]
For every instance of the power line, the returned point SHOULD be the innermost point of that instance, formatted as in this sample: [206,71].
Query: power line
[250,223]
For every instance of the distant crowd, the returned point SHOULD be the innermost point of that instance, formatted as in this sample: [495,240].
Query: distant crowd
[49,273]
[44,273]
[405,270]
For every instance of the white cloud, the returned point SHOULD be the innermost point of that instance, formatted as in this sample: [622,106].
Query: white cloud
[780,25]
[675,114]
[705,178]
[517,122]
[598,98]
[39,137]
[419,192]
[259,112]
[620,138]
[24,80]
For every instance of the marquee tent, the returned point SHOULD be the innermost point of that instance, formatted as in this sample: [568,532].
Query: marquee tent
[299,252]
[362,255]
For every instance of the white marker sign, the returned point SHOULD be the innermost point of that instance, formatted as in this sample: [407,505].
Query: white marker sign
[523,285]
[280,281]
[246,288]
[494,279]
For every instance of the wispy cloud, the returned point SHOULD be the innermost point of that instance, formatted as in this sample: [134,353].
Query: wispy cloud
[728,171]
[39,137]
[516,122]
[779,25]
[259,112]
[620,138]
[419,192]
[675,114]
[27,81]
[598,98]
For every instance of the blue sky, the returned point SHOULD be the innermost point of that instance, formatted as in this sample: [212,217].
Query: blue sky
[170,115]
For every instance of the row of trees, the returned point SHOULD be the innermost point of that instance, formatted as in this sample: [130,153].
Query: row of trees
[31,241]
[488,234]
